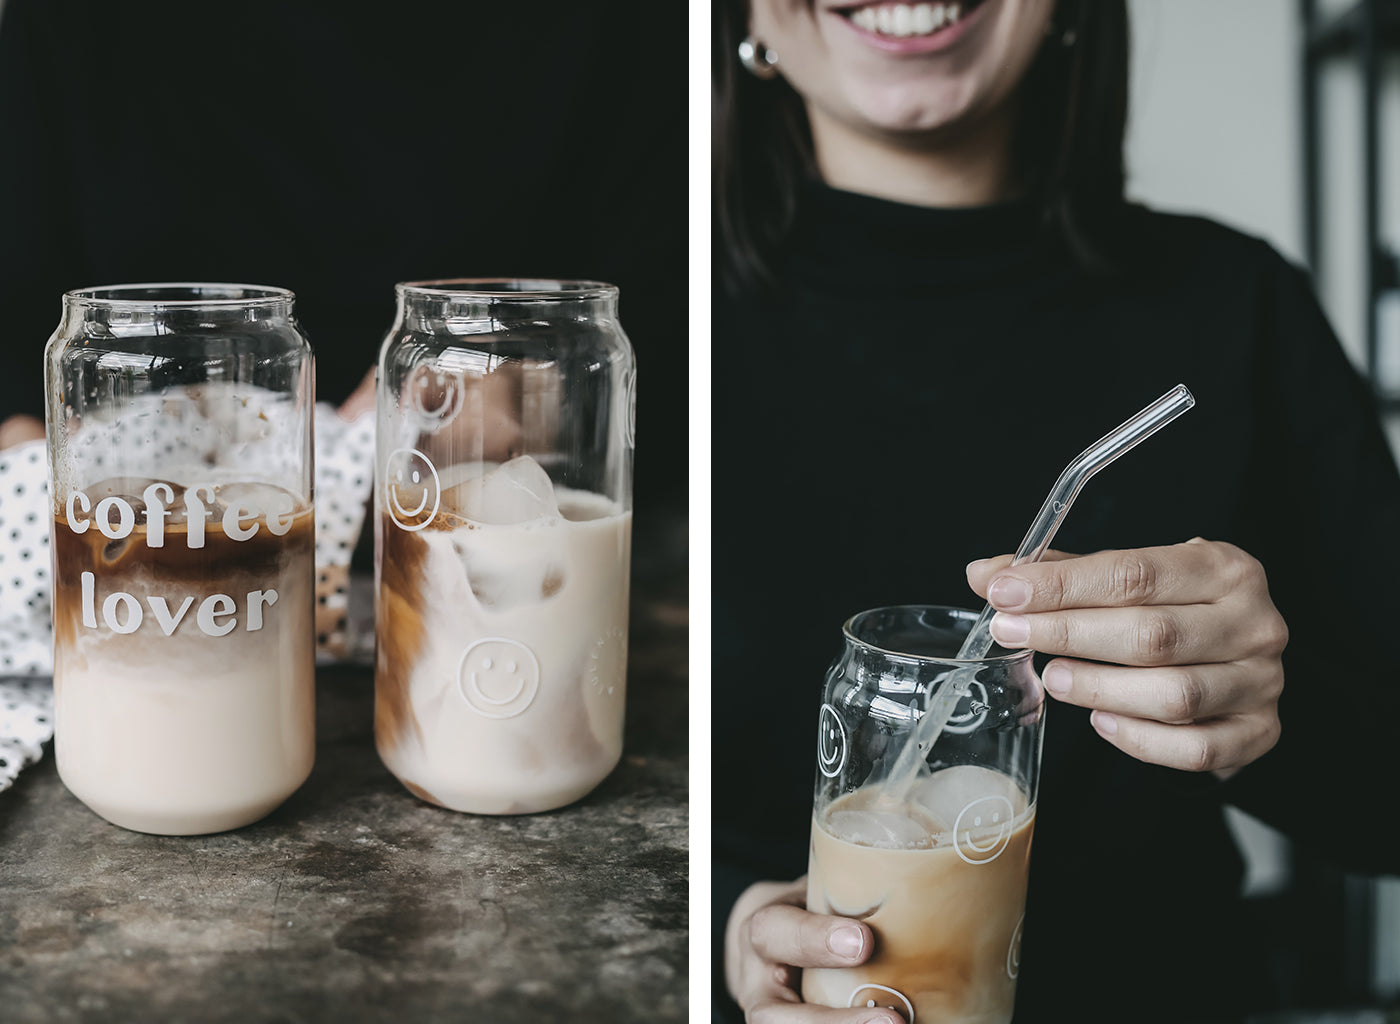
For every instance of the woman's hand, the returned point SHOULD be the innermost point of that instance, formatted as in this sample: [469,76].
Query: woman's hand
[18,429]
[769,939]
[1193,640]
[359,401]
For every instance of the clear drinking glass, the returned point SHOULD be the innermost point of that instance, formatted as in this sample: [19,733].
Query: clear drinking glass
[503,538]
[936,865]
[180,459]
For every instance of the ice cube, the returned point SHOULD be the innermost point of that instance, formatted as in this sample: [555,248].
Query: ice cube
[129,489]
[510,576]
[518,491]
[257,499]
[882,829]
[450,476]
[582,507]
[132,491]
[125,514]
[950,791]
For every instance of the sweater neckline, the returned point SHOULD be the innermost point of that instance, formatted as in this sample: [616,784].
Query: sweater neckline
[850,238]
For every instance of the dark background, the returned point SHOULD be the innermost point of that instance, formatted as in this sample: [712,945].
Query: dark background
[335,149]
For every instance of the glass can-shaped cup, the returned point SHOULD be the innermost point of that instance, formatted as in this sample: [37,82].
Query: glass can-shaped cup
[178,420]
[502,541]
[935,860]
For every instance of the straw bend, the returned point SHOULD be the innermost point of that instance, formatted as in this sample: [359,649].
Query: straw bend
[1125,436]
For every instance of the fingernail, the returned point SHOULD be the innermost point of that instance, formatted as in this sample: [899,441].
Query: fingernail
[1056,679]
[1106,724]
[974,564]
[1010,630]
[1009,592]
[846,941]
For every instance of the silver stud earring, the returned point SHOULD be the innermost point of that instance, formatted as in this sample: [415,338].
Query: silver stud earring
[757,59]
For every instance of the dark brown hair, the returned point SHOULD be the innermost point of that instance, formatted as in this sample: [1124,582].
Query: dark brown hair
[1067,151]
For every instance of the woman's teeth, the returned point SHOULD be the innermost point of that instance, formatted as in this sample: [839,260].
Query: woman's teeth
[907,19]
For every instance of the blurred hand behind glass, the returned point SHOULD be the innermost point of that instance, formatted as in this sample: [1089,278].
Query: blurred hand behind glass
[20,428]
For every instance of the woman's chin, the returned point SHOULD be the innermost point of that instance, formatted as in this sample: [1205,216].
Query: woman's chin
[920,111]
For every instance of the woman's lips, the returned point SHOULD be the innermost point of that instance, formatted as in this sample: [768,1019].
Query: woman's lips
[906,27]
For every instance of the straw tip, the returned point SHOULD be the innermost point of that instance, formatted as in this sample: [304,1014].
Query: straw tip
[1185,395]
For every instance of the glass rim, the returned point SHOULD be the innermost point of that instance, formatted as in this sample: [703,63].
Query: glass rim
[183,295]
[847,632]
[526,289]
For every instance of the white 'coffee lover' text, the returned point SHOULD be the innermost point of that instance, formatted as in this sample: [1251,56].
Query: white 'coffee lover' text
[122,612]
[157,508]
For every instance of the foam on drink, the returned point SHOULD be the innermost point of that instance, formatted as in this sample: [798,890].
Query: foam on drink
[183,657]
[940,878]
[502,635]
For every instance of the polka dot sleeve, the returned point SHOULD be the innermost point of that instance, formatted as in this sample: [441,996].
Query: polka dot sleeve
[26,638]
[344,475]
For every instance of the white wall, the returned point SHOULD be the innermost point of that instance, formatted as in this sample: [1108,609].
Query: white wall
[1215,128]
[1213,116]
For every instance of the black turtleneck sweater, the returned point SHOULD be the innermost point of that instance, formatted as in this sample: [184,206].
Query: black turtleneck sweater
[902,405]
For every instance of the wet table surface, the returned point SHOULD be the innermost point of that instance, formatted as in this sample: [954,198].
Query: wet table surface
[355,901]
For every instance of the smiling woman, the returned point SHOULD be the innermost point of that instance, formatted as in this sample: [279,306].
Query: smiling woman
[924,253]
[886,21]
[861,69]
[864,110]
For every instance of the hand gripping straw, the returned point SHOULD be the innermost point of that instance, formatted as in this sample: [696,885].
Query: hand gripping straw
[1037,539]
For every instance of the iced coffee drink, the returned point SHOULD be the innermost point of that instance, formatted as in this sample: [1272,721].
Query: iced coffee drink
[179,427]
[503,490]
[502,634]
[927,774]
[940,878]
[183,670]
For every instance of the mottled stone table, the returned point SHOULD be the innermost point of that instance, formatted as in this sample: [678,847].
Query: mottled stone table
[357,902]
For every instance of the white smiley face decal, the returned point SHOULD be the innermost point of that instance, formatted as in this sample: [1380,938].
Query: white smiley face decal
[411,487]
[871,996]
[606,668]
[831,742]
[975,701]
[1013,954]
[990,817]
[435,397]
[498,678]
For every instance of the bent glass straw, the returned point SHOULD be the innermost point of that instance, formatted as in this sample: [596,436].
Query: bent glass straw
[1037,539]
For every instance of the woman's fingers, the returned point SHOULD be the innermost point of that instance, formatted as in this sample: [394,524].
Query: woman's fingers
[1197,572]
[1172,695]
[791,935]
[1193,634]
[1192,640]
[1219,745]
[981,570]
[769,938]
